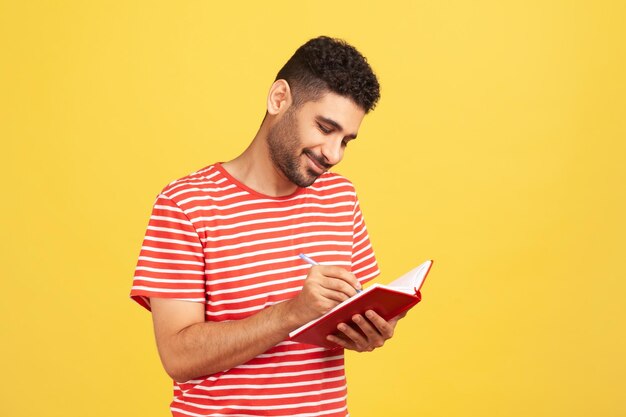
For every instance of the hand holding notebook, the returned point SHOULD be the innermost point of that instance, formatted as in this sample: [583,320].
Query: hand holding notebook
[387,300]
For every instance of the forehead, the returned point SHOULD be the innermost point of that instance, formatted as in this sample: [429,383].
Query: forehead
[335,107]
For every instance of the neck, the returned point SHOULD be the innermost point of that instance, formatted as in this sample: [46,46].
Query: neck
[255,169]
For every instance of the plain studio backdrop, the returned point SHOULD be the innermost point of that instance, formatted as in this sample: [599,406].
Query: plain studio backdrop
[498,149]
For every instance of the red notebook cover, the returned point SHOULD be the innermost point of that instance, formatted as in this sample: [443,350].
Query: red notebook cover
[384,300]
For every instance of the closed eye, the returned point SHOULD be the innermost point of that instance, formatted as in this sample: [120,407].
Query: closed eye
[323,129]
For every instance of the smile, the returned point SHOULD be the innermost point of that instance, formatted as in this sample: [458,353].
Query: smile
[315,164]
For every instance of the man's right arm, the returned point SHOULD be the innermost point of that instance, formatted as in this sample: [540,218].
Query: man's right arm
[190,347]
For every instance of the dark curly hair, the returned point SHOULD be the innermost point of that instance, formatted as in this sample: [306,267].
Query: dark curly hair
[326,64]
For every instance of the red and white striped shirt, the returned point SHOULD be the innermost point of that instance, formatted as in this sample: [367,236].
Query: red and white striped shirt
[215,241]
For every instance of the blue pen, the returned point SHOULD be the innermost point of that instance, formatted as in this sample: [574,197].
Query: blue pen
[312,262]
[307,259]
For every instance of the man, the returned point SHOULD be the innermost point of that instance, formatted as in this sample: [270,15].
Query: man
[219,266]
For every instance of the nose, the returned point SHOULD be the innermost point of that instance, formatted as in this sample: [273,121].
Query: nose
[332,150]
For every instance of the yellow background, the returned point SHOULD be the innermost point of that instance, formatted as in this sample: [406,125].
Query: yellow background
[498,149]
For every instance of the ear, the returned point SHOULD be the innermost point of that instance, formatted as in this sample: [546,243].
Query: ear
[279,97]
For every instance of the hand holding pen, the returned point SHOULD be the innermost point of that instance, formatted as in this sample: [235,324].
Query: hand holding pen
[324,287]
[374,330]
[310,261]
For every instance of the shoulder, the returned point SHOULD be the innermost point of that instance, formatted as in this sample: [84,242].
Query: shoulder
[331,182]
[329,178]
[205,182]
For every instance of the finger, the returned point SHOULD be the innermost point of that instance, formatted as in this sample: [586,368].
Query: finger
[374,338]
[341,341]
[397,318]
[401,316]
[338,285]
[341,273]
[383,327]
[335,296]
[323,276]
[354,337]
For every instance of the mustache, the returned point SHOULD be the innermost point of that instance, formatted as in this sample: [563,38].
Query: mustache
[319,159]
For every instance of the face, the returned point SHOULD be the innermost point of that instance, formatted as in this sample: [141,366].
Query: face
[307,141]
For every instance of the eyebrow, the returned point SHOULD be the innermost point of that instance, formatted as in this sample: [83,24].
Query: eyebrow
[335,125]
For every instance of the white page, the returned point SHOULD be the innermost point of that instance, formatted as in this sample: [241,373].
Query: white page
[412,280]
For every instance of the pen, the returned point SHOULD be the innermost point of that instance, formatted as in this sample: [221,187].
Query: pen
[307,259]
[312,262]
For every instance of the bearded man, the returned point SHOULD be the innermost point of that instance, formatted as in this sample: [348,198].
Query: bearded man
[219,267]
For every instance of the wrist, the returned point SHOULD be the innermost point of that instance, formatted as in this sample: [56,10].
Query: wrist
[289,315]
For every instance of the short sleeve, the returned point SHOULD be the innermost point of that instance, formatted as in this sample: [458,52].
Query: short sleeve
[364,265]
[171,261]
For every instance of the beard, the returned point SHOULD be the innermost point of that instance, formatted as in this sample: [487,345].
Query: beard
[286,151]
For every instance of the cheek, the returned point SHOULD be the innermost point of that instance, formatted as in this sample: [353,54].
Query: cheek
[311,138]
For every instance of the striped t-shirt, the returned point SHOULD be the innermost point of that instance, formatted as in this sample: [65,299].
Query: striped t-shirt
[215,241]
